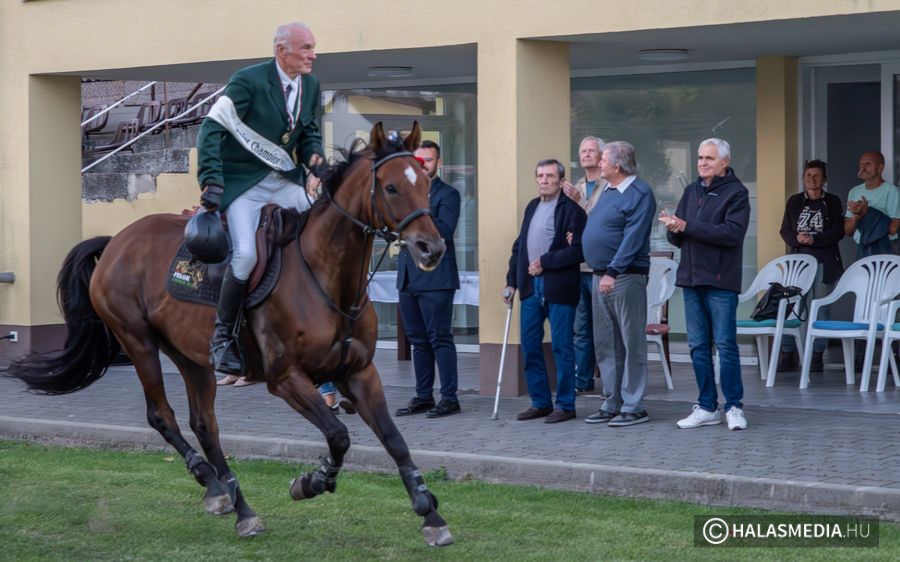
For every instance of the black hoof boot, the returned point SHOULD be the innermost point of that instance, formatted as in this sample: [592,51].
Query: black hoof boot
[310,485]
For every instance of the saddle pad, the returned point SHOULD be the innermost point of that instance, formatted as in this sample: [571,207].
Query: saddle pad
[196,282]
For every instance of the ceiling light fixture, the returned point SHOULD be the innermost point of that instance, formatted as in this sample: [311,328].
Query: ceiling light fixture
[663,55]
[390,71]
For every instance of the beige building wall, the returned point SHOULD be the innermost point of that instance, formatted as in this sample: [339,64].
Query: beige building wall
[174,194]
[39,147]
[776,155]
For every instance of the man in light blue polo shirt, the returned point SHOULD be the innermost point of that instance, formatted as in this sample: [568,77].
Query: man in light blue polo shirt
[872,231]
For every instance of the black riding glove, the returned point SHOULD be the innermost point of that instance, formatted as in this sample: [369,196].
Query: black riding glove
[211,197]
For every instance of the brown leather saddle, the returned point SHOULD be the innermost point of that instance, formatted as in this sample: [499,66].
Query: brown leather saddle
[193,281]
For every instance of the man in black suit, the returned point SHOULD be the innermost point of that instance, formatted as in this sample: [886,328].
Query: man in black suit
[426,300]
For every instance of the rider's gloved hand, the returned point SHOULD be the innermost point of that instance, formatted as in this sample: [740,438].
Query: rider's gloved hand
[211,197]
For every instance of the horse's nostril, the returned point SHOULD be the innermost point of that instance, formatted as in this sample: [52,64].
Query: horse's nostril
[424,248]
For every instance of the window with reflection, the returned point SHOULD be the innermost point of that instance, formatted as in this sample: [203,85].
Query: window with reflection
[666,116]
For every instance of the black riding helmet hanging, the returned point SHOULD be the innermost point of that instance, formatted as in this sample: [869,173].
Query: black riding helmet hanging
[205,237]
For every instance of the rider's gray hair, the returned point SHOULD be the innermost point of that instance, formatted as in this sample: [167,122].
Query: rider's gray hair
[283,34]
[721,145]
[621,154]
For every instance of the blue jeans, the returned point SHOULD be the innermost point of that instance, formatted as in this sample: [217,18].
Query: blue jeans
[535,310]
[711,316]
[584,336]
[327,388]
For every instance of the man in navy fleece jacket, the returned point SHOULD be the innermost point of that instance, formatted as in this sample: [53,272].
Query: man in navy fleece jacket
[616,246]
[709,227]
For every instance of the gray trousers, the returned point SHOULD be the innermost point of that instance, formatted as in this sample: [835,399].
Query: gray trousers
[620,341]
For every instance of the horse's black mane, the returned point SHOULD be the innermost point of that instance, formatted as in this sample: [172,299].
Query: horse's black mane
[333,173]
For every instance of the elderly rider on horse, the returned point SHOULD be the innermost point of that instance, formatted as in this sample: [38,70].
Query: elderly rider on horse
[245,148]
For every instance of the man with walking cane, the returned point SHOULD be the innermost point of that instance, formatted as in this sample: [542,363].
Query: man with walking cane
[544,268]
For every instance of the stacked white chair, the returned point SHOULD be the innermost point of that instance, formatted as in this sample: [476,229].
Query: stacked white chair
[891,334]
[660,287]
[795,270]
[874,280]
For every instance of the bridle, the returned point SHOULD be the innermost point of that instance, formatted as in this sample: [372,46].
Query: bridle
[376,189]
[369,230]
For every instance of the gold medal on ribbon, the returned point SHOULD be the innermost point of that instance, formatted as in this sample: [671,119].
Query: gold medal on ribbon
[285,137]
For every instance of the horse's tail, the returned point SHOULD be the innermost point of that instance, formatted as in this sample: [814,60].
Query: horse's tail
[90,345]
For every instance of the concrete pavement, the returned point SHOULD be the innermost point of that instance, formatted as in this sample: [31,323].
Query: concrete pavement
[824,459]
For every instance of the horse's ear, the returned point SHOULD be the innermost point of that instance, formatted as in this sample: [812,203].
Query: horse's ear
[376,137]
[414,138]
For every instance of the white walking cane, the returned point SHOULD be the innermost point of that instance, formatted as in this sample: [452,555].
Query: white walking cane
[508,295]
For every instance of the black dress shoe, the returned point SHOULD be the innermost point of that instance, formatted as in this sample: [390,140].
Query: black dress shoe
[560,416]
[416,406]
[444,408]
[817,365]
[787,361]
[602,416]
[534,413]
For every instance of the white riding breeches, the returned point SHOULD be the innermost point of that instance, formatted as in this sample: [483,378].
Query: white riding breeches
[243,217]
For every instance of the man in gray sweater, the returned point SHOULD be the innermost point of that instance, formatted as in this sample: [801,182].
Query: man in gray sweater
[616,245]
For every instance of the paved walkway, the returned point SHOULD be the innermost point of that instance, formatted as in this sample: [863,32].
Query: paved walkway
[813,457]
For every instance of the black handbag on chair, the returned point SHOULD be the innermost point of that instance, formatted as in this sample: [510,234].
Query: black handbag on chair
[767,307]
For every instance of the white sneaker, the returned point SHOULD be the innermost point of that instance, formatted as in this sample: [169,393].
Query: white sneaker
[700,417]
[735,418]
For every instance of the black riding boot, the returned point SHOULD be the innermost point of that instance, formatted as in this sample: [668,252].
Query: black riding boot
[224,353]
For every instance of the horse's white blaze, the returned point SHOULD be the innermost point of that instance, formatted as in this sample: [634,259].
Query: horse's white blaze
[410,175]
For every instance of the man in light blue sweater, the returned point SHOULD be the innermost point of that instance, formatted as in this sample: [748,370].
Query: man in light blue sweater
[616,245]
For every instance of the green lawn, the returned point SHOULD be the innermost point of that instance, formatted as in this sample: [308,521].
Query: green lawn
[82,504]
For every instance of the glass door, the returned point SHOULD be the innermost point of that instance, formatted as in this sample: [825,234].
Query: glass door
[890,119]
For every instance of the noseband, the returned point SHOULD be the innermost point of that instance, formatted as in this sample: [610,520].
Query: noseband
[377,190]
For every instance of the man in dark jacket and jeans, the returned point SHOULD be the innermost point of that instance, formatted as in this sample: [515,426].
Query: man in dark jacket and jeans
[709,226]
[544,268]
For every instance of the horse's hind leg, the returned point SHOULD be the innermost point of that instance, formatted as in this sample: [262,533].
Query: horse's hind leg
[365,387]
[201,390]
[300,393]
[144,352]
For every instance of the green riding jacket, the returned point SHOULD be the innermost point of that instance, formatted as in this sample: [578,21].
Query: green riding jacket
[259,101]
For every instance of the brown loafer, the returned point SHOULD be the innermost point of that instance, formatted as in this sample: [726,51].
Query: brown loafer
[560,416]
[534,413]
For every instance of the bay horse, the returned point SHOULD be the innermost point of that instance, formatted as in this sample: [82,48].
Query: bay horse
[316,325]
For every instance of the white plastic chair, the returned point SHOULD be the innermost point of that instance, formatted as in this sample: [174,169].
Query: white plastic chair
[891,333]
[874,280]
[660,287]
[794,270]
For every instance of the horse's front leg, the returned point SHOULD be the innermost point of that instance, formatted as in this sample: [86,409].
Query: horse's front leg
[301,394]
[365,387]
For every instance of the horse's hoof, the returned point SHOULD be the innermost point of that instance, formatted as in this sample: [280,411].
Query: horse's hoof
[297,489]
[249,527]
[218,505]
[437,536]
